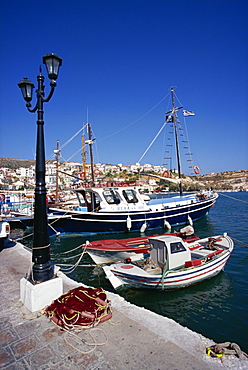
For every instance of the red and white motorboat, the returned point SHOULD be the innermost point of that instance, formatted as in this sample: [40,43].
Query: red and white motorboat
[114,250]
[173,263]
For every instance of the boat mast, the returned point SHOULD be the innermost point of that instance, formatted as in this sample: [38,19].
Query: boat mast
[84,156]
[91,155]
[176,137]
[56,152]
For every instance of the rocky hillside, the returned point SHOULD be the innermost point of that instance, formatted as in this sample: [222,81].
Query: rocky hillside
[233,180]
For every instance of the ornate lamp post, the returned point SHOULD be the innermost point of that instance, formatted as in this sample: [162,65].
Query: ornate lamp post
[42,269]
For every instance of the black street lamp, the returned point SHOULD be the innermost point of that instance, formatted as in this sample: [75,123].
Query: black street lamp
[42,269]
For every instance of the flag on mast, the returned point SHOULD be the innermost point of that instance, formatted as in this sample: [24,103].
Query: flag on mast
[188,113]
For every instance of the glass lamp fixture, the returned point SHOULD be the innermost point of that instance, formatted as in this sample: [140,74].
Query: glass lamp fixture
[26,87]
[52,62]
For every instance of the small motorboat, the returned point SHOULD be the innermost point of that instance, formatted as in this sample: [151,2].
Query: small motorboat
[115,250]
[173,263]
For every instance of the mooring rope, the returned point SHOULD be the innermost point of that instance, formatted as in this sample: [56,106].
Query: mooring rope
[72,250]
[67,258]
[240,242]
[228,196]
[23,237]
[71,269]
[68,270]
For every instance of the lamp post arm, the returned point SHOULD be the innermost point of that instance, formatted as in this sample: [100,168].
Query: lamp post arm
[40,95]
[53,85]
[28,105]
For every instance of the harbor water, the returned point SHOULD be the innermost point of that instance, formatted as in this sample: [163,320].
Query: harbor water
[217,308]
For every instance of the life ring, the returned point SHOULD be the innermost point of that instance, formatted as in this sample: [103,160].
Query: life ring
[166,174]
[61,195]
[196,170]
[96,171]
[82,174]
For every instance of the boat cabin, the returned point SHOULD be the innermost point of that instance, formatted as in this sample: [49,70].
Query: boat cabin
[111,199]
[169,252]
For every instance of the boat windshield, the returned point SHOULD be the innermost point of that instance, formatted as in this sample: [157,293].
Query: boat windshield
[111,197]
[177,247]
[130,196]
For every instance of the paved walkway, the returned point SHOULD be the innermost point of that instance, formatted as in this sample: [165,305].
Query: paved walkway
[135,337]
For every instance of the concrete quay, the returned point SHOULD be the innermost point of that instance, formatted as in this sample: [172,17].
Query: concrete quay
[134,338]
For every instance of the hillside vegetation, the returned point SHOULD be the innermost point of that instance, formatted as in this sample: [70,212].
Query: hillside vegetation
[15,163]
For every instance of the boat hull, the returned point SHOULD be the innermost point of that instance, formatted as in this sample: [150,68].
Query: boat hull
[101,222]
[205,263]
[173,280]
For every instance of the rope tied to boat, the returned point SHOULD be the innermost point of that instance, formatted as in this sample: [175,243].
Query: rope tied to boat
[211,244]
[227,196]
[71,268]
[227,348]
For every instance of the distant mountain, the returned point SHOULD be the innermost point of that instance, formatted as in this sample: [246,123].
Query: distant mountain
[15,163]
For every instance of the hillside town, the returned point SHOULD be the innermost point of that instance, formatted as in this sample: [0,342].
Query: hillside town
[149,177]
[71,174]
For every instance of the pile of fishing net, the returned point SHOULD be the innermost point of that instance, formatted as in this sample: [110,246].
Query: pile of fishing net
[84,307]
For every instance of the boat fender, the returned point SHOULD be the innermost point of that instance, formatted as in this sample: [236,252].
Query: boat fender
[129,223]
[190,220]
[167,225]
[143,227]
[87,242]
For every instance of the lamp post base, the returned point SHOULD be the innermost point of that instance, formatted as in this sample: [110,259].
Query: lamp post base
[41,272]
[38,296]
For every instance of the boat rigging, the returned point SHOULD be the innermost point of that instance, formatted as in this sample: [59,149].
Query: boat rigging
[172,121]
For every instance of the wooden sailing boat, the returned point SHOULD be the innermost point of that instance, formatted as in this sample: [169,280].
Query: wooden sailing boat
[121,209]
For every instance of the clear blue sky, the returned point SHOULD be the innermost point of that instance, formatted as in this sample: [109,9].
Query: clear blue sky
[120,58]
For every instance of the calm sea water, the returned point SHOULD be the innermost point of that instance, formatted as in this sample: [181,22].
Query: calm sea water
[217,308]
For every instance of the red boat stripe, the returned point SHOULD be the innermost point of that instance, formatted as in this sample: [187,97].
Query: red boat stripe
[167,282]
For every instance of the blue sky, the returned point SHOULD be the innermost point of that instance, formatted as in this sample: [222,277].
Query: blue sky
[120,59]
